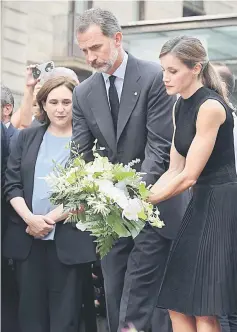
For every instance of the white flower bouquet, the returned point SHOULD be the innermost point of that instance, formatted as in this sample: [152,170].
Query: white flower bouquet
[108,200]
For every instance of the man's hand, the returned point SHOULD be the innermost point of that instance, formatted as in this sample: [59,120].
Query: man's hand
[38,225]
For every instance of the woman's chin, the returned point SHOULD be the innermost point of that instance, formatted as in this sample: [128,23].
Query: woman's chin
[170,91]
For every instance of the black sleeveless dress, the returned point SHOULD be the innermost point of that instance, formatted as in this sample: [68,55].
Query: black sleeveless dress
[201,272]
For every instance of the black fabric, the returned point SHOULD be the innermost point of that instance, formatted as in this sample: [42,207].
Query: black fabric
[114,101]
[185,118]
[50,293]
[201,273]
[4,153]
[11,130]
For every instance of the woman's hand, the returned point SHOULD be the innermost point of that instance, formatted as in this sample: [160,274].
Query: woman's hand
[39,225]
[152,198]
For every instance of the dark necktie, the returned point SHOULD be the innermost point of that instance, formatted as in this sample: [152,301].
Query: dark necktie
[114,101]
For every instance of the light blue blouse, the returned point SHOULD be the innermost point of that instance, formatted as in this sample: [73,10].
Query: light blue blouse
[52,149]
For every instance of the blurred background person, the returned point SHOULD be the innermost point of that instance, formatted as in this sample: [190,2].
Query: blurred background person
[9,296]
[7,106]
[228,80]
[228,323]
[52,259]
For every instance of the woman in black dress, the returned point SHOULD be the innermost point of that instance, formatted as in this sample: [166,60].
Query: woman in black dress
[200,280]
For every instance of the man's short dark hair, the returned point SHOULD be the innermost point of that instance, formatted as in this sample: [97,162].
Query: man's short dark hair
[96,16]
[6,96]
[226,76]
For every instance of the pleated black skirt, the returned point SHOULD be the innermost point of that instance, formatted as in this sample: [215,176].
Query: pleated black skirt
[201,273]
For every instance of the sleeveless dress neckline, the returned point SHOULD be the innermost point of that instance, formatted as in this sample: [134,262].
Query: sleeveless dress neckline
[193,95]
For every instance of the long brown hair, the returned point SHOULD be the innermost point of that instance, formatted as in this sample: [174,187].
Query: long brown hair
[190,51]
[47,87]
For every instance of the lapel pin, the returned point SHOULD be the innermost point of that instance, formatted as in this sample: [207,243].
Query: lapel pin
[135,93]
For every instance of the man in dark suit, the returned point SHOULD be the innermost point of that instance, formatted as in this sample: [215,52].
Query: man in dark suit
[125,107]
[9,296]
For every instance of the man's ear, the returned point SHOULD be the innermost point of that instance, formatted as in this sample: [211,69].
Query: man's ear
[118,39]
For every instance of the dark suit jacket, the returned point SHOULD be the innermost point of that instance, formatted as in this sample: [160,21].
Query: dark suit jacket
[11,130]
[4,152]
[144,127]
[73,246]
[4,157]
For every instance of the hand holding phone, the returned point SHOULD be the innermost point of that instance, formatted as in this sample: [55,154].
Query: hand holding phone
[30,80]
[39,70]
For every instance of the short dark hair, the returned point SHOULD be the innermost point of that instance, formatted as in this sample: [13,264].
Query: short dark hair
[6,96]
[103,18]
[226,75]
[47,87]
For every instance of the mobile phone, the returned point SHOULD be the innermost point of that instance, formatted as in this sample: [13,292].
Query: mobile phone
[39,70]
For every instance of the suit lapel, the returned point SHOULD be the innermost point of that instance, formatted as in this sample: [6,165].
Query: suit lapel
[130,94]
[11,130]
[98,102]
[33,150]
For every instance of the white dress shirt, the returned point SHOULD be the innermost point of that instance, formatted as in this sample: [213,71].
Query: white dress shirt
[120,74]
[7,124]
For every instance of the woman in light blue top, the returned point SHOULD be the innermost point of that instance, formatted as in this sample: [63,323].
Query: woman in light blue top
[52,259]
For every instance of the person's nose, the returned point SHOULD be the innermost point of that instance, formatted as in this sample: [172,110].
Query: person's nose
[166,77]
[60,108]
[91,57]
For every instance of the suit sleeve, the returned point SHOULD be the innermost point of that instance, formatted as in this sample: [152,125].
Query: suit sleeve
[4,152]
[159,131]
[13,184]
[81,134]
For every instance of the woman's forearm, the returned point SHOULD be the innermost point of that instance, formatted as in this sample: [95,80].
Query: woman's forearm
[178,184]
[165,178]
[19,205]
[26,107]
[16,118]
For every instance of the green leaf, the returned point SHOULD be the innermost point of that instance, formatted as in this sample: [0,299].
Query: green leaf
[142,215]
[72,178]
[121,175]
[97,174]
[82,216]
[116,223]
[134,227]
[143,191]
